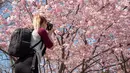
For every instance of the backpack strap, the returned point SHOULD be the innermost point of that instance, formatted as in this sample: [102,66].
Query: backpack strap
[37,44]
[35,56]
[33,63]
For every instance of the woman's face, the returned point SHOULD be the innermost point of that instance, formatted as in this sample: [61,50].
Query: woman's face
[44,25]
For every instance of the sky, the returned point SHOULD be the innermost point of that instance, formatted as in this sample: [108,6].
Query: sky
[4,59]
[4,62]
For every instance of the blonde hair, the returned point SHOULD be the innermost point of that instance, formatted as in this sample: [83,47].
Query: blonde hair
[38,20]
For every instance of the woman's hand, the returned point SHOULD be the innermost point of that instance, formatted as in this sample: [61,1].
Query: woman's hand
[50,31]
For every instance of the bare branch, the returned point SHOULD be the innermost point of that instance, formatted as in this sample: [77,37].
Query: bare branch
[62,68]
[90,65]
[50,66]
[77,9]
[104,6]
[83,66]
[31,16]
[94,49]
[91,58]
[44,64]
[108,66]
[46,2]
[57,38]
[108,26]
[124,65]
[75,34]
[67,55]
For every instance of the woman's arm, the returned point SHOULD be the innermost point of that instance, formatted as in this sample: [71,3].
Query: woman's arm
[45,37]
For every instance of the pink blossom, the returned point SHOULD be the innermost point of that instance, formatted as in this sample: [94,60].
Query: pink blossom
[92,19]
[71,1]
[58,10]
[80,1]
[4,22]
[3,44]
[23,2]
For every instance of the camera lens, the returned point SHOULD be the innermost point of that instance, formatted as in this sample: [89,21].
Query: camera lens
[49,26]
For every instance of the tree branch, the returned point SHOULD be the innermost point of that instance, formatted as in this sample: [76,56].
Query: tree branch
[107,66]
[91,58]
[124,65]
[62,68]
[90,65]
[75,34]
[46,2]
[7,54]
[57,39]
[31,16]
[50,66]
[77,9]
[104,6]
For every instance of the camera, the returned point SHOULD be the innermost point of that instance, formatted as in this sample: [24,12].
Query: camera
[49,26]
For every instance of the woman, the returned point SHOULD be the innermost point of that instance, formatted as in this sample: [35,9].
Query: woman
[39,33]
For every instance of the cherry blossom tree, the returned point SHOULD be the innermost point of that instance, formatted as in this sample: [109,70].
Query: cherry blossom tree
[90,36]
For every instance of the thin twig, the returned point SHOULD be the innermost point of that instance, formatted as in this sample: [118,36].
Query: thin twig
[77,9]
[31,16]
[90,59]
[124,66]
[50,66]
[104,7]
[108,66]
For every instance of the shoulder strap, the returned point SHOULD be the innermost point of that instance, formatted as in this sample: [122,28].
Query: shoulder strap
[41,44]
[37,44]
[34,58]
